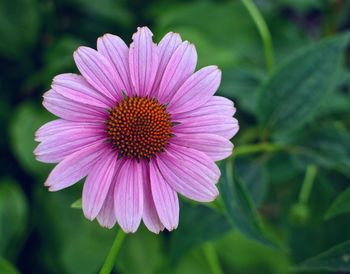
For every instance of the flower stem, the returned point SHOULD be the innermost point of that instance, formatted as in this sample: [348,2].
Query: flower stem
[263,31]
[305,191]
[212,259]
[113,253]
[256,148]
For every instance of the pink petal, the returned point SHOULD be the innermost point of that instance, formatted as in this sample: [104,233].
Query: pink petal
[189,172]
[128,196]
[216,105]
[224,126]
[57,126]
[72,111]
[196,91]
[76,88]
[166,48]
[74,167]
[215,146]
[98,71]
[150,215]
[143,61]
[98,183]
[117,52]
[106,217]
[55,147]
[180,66]
[165,198]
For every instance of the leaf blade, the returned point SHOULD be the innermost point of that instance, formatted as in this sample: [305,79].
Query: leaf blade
[336,258]
[187,236]
[7,267]
[78,204]
[239,207]
[295,91]
[341,205]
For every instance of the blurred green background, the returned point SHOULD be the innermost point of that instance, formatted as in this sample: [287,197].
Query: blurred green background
[284,196]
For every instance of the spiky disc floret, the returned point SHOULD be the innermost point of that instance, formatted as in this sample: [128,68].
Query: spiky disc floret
[139,127]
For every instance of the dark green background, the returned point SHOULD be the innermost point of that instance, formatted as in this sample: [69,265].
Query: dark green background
[294,120]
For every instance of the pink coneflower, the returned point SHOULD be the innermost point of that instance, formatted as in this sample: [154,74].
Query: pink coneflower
[142,125]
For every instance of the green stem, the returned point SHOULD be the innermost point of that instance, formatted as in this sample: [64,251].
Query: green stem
[309,179]
[113,253]
[256,148]
[266,147]
[263,31]
[212,259]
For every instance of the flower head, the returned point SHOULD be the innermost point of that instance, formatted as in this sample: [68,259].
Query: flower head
[141,125]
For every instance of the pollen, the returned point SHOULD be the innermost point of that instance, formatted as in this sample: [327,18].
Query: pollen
[139,127]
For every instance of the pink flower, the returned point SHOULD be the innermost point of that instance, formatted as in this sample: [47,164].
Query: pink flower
[142,125]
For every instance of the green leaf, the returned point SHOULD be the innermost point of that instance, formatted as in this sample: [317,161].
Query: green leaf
[236,252]
[239,207]
[338,101]
[336,258]
[27,119]
[254,176]
[77,204]
[281,168]
[241,85]
[340,205]
[7,268]
[327,145]
[187,236]
[19,23]
[297,89]
[13,217]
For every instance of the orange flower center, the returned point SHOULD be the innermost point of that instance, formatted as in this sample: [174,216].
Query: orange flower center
[139,127]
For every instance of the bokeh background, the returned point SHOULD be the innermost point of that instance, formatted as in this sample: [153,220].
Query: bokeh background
[284,196]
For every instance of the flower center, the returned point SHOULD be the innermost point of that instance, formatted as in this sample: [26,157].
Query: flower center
[138,127]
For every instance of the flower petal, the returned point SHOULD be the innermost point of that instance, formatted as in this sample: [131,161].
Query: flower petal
[196,90]
[143,61]
[98,183]
[57,126]
[215,146]
[216,105]
[166,48]
[128,196]
[74,167]
[214,117]
[70,110]
[180,66]
[106,217]
[224,126]
[189,172]
[76,88]
[98,71]
[55,147]
[165,198]
[117,52]
[150,215]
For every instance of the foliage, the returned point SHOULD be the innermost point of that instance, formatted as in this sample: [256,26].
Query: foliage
[285,194]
